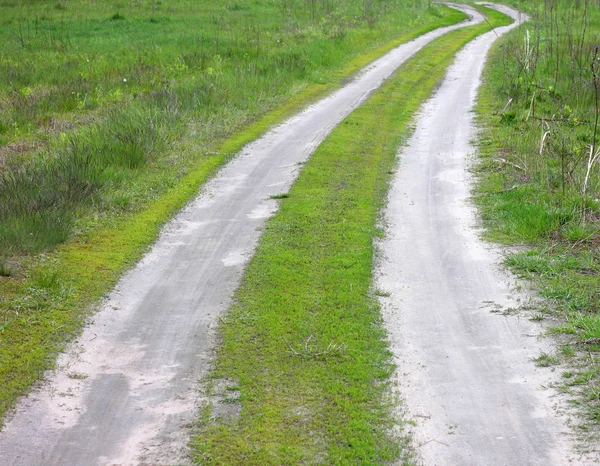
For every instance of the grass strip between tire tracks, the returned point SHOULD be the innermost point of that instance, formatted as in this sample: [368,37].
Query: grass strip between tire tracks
[39,313]
[303,354]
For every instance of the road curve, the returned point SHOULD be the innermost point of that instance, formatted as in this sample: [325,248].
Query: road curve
[464,369]
[124,391]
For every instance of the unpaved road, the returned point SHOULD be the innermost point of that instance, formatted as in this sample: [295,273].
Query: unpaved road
[124,392]
[464,369]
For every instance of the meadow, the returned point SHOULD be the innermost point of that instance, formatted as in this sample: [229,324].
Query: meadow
[98,97]
[113,115]
[539,177]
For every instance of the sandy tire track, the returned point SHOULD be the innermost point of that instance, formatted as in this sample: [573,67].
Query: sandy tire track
[124,391]
[464,370]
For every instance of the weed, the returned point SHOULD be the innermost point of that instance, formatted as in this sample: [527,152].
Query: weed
[47,278]
[546,360]
[539,182]
[5,269]
[567,351]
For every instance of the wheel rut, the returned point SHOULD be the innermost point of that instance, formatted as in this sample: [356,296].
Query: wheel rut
[125,390]
[464,369]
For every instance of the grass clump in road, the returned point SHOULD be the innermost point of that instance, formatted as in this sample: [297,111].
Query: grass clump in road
[539,184]
[304,345]
[106,178]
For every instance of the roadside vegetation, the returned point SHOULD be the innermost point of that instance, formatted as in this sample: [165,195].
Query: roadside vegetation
[113,114]
[539,176]
[302,373]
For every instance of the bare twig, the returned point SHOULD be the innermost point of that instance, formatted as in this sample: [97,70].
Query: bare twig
[546,134]
[531,107]
[434,439]
[583,240]
[593,360]
[590,341]
[590,163]
[506,106]
[507,162]
[551,119]
[594,151]
[309,352]
[491,27]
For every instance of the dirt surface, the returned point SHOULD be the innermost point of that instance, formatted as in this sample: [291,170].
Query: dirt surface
[124,392]
[465,364]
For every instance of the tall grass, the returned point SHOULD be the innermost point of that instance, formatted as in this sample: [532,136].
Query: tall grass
[81,56]
[41,196]
[103,97]
[549,79]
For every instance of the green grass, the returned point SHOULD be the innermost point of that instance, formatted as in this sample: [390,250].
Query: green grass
[304,344]
[166,82]
[137,179]
[531,188]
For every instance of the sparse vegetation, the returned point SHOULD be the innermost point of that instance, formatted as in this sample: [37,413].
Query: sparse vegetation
[540,173]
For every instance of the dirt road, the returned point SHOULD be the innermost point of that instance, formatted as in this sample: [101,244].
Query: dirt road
[124,392]
[465,370]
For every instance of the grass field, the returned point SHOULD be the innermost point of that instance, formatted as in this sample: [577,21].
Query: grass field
[303,358]
[96,155]
[540,175]
[104,105]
